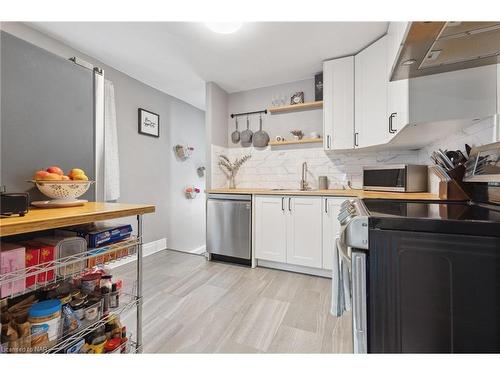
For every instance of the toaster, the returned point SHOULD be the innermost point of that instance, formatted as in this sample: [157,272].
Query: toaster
[14,204]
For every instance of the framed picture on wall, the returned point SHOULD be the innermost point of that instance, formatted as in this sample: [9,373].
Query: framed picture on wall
[149,123]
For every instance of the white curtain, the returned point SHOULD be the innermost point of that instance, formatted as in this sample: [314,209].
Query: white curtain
[111,159]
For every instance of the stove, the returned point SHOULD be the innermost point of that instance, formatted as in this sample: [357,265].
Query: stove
[423,275]
[437,217]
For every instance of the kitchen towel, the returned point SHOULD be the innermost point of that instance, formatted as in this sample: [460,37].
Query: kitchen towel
[341,282]
[337,291]
[111,159]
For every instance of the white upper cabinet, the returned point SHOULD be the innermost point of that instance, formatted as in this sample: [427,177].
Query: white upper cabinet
[396,32]
[381,106]
[370,92]
[397,91]
[338,104]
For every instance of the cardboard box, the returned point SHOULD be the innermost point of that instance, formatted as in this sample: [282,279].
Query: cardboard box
[98,234]
[47,255]
[32,258]
[12,258]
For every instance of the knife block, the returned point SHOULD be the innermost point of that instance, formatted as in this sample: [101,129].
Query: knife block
[452,191]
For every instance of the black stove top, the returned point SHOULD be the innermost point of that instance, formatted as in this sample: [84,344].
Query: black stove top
[442,217]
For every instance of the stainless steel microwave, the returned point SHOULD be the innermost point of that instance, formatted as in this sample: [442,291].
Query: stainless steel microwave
[402,177]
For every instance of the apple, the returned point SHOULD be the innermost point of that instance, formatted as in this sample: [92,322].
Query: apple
[75,172]
[40,175]
[80,177]
[56,170]
[65,178]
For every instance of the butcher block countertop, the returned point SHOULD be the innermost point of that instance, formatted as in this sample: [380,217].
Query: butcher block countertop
[49,218]
[333,192]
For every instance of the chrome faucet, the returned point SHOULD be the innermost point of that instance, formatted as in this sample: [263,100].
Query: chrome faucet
[303,182]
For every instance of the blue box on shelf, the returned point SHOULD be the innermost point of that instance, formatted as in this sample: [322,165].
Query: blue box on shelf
[97,234]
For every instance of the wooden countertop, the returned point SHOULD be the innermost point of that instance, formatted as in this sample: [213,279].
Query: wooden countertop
[332,192]
[49,218]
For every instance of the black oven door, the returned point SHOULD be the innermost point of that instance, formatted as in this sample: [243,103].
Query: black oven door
[433,293]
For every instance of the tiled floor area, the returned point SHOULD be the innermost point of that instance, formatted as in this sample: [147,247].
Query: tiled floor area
[192,305]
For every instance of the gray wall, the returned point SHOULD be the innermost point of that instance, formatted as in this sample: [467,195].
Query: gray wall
[149,170]
[277,124]
[47,115]
[216,122]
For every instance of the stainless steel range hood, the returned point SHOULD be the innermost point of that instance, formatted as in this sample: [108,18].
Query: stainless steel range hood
[437,47]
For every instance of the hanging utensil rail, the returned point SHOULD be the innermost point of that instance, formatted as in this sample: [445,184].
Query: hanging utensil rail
[248,113]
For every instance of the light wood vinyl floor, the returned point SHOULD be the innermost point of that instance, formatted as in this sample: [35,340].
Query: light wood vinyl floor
[195,306]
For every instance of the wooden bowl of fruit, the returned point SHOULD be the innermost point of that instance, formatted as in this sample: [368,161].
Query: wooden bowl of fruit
[62,189]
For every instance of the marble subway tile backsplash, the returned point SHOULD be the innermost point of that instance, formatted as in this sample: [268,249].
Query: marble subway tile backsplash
[280,167]
[276,168]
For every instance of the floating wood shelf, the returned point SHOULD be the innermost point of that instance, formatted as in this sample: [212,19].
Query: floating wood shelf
[300,141]
[296,107]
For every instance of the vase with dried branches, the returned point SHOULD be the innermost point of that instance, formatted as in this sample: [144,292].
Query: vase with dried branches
[230,169]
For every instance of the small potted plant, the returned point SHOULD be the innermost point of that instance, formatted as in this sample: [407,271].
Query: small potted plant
[230,169]
[297,134]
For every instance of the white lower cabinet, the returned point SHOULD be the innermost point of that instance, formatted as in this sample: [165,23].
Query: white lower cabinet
[331,228]
[296,230]
[304,243]
[270,228]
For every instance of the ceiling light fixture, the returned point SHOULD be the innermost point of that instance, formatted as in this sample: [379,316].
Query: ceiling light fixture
[224,27]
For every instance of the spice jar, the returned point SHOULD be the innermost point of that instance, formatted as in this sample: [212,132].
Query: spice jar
[76,294]
[45,319]
[77,305]
[49,291]
[114,297]
[105,282]
[65,299]
[92,308]
[105,300]
[90,282]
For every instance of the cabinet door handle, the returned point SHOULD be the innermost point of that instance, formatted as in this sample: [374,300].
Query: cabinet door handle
[283,204]
[290,204]
[391,117]
[326,205]
[356,139]
[328,141]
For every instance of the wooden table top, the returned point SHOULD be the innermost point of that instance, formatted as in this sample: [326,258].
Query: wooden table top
[49,218]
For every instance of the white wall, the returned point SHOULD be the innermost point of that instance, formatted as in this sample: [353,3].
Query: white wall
[277,124]
[149,170]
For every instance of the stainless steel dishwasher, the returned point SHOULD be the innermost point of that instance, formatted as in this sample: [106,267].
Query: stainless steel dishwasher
[229,228]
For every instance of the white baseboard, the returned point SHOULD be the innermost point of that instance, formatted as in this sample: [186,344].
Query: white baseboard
[147,249]
[199,250]
[294,268]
